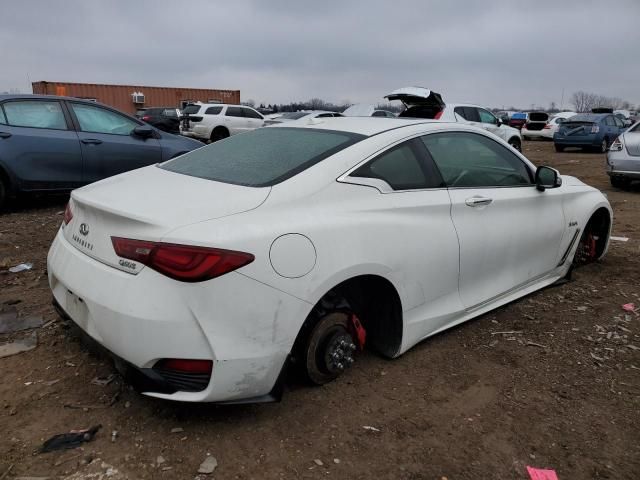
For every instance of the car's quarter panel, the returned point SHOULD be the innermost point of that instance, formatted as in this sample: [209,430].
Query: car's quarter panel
[507,243]
[143,318]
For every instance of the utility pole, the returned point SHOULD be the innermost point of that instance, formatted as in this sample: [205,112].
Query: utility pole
[562,100]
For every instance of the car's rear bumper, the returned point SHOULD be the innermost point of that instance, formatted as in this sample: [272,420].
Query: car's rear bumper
[531,133]
[236,322]
[581,141]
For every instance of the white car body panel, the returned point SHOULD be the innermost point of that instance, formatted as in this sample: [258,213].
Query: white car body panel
[437,252]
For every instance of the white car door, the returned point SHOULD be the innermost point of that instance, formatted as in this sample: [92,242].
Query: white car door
[235,120]
[423,245]
[254,119]
[509,232]
[489,122]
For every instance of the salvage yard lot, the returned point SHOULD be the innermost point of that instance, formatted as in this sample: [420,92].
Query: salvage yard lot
[550,381]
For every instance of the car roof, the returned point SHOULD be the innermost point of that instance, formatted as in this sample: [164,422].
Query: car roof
[361,125]
[29,96]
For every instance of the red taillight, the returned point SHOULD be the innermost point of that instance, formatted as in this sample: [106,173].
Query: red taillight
[182,262]
[68,214]
[145,117]
[438,115]
[185,366]
[546,126]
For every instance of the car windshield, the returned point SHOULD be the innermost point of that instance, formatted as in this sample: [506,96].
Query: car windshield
[294,115]
[262,157]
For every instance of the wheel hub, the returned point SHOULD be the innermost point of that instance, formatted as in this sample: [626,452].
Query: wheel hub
[339,352]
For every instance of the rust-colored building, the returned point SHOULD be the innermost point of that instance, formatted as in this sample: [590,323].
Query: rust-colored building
[129,98]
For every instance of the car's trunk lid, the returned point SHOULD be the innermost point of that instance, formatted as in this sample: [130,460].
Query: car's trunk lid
[416,96]
[146,204]
[569,128]
[631,141]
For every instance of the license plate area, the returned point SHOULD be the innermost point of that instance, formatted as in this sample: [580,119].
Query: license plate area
[77,309]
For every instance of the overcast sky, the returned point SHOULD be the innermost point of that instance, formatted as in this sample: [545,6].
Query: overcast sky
[494,53]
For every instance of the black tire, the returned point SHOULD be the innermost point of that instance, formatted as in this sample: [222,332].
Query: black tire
[619,182]
[515,143]
[604,146]
[332,327]
[524,137]
[3,194]
[219,133]
[559,148]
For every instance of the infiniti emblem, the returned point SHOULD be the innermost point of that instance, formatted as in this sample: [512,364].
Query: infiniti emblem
[84,229]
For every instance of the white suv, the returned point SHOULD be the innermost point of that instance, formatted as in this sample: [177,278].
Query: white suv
[211,122]
[423,103]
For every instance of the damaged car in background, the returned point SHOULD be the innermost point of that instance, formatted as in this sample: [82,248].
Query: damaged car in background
[420,102]
[208,275]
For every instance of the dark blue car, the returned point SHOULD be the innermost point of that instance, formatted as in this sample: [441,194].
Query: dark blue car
[50,144]
[593,131]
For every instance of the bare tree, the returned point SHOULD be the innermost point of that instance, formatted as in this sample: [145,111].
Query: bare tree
[249,103]
[317,104]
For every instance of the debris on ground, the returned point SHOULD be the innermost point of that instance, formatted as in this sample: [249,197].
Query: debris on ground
[18,346]
[619,239]
[209,465]
[69,440]
[541,474]
[370,428]
[11,321]
[177,430]
[103,381]
[318,462]
[630,307]
[21,267]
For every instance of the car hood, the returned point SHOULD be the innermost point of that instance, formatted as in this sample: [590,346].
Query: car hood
[413,96]
[359,110]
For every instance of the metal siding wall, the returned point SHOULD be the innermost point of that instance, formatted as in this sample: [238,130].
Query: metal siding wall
[119,96]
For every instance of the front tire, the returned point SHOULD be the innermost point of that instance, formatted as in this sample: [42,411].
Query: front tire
[559,148]
[3,194]
[515,143]
[619,182]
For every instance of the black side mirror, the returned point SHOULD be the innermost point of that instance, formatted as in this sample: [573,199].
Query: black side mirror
[547,177]
[143,131]
[498,121]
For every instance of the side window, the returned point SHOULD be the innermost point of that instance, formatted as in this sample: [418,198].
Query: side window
[170,112]
[473,160]
[35,114]
[378,113]
[618,121]
[99,120]
[486,117]
[234,112]
[248,113]
[401,167]
[213,111]
[609,121]
[338,115]
[3,119]
[324,115]
[470,114]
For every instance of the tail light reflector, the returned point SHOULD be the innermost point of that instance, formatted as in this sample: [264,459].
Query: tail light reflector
[68,214]
[546,127]
[146,117]
[185,366]
[438,115]
[616,146]
[185,263]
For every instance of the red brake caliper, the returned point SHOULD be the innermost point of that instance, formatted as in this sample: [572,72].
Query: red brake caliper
[357,331]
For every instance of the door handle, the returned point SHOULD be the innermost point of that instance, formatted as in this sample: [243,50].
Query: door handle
[5,134]
[91,141]
[478,201]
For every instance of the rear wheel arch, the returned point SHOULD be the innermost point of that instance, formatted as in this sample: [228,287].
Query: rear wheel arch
[515,143]
[219,132]
[594,238]
[376,303]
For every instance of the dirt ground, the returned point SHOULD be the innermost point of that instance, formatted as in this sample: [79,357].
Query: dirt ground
[562,391]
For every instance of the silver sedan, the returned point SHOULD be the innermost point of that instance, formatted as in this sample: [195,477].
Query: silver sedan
[623,158]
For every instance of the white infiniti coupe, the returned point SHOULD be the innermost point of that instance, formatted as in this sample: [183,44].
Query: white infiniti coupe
[204,276]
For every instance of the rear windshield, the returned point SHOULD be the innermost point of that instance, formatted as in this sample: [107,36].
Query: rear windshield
[584,118]
[262,157]
[294,115]
[189,109]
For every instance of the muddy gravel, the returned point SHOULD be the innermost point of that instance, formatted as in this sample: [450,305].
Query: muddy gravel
[551,381]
